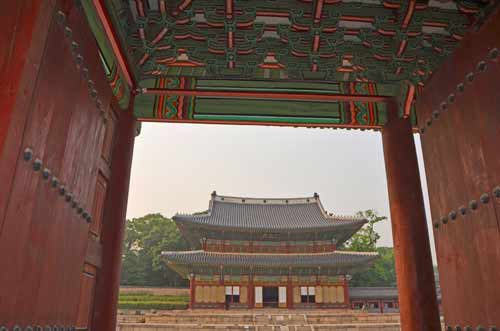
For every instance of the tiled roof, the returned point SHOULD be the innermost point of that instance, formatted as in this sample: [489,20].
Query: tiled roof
[330,259]
[269,214]
[368,293]
[359,293]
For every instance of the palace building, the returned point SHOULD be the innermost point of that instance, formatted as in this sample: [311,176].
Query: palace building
[267,253]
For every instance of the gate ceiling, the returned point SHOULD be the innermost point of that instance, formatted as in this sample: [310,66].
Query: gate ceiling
[313,63]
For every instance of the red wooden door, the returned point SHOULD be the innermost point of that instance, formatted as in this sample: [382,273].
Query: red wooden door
[55,162]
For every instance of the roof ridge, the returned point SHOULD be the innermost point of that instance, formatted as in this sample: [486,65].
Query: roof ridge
[344,216]
[262,200]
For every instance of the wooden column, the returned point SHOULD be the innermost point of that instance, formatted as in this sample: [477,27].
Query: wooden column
[251,292]
[289,293]
[415,275]
[113,228]
[192,289]
[347,301]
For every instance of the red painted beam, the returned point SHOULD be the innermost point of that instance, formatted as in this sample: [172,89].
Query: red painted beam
[113,39]
[268,95]
[270,123]
[410,95]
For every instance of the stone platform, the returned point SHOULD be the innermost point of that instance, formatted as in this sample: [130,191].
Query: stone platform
[257,320]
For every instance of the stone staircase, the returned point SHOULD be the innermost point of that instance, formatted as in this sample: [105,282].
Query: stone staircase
[277,320]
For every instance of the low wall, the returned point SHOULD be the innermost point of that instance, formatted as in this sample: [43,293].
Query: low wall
[155,290]
[261,320]
[231,327]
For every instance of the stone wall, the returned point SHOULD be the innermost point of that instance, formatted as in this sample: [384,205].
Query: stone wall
[283,320]
[206,327]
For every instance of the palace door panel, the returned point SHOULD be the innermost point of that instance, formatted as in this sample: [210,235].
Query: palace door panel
[99,200]
[282,297]
[258,297]
[23,32]
[58,188]
[107,146]
[86,297]
[462,165]
[270,296]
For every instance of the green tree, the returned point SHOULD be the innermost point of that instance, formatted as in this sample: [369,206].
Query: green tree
[382,272]
[145,238]
[365,240]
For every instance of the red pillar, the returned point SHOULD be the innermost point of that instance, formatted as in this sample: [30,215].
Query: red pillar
[289,293]
[192,289]
[113,228]
[251,293]
[415,275]
[347,301]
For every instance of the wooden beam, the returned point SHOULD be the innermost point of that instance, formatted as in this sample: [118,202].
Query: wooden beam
[297,125]
[113,39]
[267,95]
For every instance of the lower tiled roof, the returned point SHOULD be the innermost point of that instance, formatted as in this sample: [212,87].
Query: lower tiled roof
[373,293]
[330,259]
[367,293]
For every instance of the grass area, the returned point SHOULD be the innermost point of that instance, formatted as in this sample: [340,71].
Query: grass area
[141,301]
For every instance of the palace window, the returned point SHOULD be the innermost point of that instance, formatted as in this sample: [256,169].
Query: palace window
[307,294]
[232,294]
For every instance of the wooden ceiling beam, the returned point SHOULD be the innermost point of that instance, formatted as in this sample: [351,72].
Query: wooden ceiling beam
[325,97]
[269,123]
[113,40]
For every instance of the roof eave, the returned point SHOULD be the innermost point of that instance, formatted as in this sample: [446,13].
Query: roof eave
[185,220]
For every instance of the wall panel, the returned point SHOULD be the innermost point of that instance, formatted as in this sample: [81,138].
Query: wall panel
[462,130]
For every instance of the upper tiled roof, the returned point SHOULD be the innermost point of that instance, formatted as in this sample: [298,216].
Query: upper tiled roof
[269,214]
[330,259]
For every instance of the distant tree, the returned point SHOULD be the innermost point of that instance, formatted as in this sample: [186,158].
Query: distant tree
[145,238]
[365,240]
[382,272]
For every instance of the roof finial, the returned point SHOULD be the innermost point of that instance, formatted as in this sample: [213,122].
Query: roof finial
[214,193]
[316,195]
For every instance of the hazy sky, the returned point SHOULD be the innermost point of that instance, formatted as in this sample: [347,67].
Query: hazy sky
[177,166]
